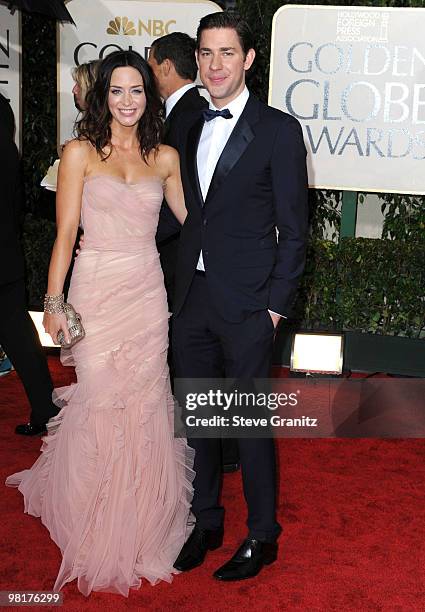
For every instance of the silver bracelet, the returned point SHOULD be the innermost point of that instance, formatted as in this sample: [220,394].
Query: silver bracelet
[53,304]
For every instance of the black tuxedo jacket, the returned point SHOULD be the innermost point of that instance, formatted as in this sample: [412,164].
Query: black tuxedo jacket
[10,184]
[190,105]
[183,113]
[259,185]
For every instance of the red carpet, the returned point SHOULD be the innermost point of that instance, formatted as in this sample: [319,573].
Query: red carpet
[353,514]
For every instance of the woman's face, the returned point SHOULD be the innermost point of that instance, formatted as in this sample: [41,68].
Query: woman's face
[126,98]
[78,97]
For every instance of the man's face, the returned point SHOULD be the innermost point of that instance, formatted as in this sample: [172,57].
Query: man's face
[222,64]
[157,71]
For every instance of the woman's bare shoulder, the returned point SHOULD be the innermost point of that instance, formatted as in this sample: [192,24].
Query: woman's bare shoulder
[167,156]
[79,155]
[78,150]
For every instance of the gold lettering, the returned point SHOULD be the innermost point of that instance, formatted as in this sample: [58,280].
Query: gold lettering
[168,24]
[147,28]
[156,27]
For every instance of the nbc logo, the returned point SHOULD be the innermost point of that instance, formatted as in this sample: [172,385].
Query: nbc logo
[121,25]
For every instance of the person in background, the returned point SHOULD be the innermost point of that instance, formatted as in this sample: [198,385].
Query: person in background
[172,59]
[18,335]
[84,77]
[6,365]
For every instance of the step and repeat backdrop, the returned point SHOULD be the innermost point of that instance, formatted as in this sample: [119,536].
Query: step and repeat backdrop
[353,76]
[106,25]
[355,79]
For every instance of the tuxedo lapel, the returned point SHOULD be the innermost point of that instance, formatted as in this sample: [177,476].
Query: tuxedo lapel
[238,141]
[190,102]
[192,166]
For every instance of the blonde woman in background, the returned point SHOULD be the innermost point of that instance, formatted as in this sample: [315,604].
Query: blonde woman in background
[84,77]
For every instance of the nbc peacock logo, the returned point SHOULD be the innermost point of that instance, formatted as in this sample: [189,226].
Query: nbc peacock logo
[121,25]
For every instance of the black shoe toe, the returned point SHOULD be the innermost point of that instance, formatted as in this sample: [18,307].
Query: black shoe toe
[195,549]
[248,561]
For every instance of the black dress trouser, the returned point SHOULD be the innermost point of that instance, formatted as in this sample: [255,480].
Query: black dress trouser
[207,346]
[20,341]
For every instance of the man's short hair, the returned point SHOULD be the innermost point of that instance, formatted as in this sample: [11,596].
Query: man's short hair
[227,19]
[179,48]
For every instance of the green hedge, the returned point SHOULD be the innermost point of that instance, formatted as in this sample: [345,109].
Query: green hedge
[37,241]
[366,285]
[38,109]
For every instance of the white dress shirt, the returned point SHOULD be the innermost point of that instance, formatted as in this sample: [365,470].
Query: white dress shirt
[172,100]
[214,137]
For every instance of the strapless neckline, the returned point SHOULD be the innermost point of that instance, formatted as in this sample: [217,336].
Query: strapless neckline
[120,180]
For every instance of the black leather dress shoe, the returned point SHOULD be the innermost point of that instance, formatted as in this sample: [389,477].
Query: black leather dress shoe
[228,468]
[198,544]
[248,560]
[30,429]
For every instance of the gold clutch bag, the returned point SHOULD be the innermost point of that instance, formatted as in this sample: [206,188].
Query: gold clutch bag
[75,327]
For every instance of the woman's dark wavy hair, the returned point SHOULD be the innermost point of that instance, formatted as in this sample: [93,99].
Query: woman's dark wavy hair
[95,124]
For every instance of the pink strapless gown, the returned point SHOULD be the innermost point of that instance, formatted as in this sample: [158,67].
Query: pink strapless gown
[112,485]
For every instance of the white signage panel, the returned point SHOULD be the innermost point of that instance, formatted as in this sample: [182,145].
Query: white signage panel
[103,26]
[10,63]
[355,78]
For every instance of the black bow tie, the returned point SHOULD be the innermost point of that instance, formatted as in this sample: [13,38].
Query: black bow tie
[210,114]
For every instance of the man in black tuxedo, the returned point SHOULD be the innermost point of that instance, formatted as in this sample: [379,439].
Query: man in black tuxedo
[172,59]
[243,168]
[18,335]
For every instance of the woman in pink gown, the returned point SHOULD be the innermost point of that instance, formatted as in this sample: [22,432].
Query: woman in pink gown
[112,485]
